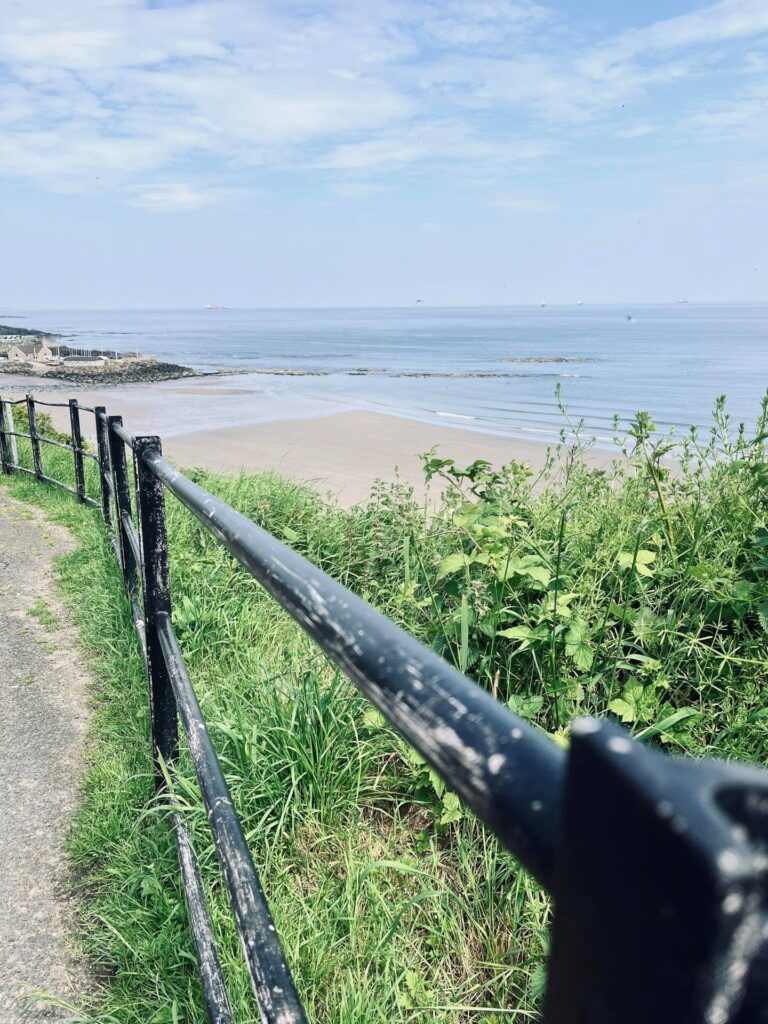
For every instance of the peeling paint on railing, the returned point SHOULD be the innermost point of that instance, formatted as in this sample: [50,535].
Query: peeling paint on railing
[658,867]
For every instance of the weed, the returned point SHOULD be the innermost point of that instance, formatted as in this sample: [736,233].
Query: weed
[41,611]
[639,591]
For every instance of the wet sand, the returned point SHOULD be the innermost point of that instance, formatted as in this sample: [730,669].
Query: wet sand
[345,453]
[339,453]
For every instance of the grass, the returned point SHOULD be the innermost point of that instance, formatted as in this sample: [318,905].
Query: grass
[641,591]
[42,611]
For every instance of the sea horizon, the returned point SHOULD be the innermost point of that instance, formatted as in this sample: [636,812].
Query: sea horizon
[225,307]
[492,369]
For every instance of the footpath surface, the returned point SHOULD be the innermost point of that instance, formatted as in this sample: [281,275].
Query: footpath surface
[43,717]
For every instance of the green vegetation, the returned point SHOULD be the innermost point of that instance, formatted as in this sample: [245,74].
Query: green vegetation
[42,611]
[642,591]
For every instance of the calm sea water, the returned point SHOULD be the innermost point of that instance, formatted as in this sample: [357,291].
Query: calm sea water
[672,360]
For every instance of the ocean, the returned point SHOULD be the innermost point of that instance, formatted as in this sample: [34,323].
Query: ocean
[489,369]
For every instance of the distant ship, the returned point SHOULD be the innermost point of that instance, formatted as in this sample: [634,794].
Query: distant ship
[215,306]
[580,302]
[542,304]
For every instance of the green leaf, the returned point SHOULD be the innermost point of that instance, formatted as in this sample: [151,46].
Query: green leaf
[669,723]
[452,564]
[540,573]
[452,809]
[373,719]
[437,783]
[563,601]
[537,981]
[527,635]
[528,566]
[642,561]
[518,633]
[578,646]
[627,712]
[464,627]
[762,614]
[290,534]
[150,885]
[742,591]
[525,707]
[645,625]
[167,1014]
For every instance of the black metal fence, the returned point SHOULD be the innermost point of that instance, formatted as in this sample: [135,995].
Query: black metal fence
[658,866]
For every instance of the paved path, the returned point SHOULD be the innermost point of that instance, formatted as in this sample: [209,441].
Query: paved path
[43,704]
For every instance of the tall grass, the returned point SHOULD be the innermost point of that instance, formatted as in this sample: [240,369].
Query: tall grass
[641,591]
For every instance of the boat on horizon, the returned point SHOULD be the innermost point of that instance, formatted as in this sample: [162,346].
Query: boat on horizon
[215,306]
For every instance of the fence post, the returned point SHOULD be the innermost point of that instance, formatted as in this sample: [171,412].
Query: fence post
[150,499]
[77,445]
[11,437]
[103,446]
[5,455]
[34,437]
[123,506]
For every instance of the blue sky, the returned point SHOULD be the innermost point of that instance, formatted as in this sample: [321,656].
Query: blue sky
[177,152]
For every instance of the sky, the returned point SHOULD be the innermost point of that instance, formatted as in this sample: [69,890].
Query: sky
[174,153]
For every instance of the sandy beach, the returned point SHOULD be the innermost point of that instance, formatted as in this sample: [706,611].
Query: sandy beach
[339,453]
[345,453]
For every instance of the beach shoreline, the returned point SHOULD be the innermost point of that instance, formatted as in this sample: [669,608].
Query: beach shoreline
[345,453]
[338,453]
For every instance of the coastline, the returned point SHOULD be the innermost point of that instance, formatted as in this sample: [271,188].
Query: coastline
[341,453]
[497,370]
[345,453]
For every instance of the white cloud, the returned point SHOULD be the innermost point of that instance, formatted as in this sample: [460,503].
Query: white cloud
[213,90]
[430,143]
[523,204]
[359,189]
[742,117]
[179,196]
[716,23]
[636,131]
[473,23]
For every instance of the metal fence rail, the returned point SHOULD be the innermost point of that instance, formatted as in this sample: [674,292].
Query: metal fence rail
[658,867]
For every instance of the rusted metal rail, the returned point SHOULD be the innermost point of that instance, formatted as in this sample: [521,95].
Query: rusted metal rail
[658,867]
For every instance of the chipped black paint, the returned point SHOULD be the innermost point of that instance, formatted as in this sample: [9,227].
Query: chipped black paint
[6,463]
[34,439]
[102,444]
[77,449]
[272,983]
[208,961]
[130,554]
[659,867]
[661,887]
[509,773]
[157,601]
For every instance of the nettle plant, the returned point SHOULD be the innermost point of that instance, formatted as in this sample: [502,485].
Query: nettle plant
[503,593]
[616,591]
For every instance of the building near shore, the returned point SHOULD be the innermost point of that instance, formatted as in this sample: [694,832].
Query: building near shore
[92,360]
[34,352]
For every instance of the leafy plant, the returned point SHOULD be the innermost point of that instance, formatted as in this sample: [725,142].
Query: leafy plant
[638,591]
